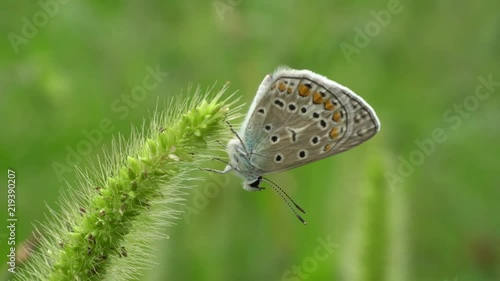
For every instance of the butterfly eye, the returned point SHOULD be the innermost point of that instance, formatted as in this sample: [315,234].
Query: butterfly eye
[256,183]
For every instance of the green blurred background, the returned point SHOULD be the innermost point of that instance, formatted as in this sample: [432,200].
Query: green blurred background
[438,221]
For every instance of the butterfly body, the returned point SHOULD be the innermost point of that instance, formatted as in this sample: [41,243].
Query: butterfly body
[240,160]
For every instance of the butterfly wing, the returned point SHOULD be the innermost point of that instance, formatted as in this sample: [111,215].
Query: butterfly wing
[298,117]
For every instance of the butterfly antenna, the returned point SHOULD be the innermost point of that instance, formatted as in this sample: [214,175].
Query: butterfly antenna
[238,136]
[277,186]
[279,192]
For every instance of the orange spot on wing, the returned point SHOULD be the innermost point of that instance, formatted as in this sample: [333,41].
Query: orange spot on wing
[282,87]
[304,90]
[317,98]
[334,133]
[329,105]
[336,116]
[289,90]
[327,147]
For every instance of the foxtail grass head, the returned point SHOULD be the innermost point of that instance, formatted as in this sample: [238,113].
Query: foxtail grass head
[110,217]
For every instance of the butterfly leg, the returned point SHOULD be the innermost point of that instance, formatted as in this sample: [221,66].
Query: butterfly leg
[238,136]
[225,171]
[219,142]
[220,160]
[215,171]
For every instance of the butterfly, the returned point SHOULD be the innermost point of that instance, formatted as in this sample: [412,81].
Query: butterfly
[297,117]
